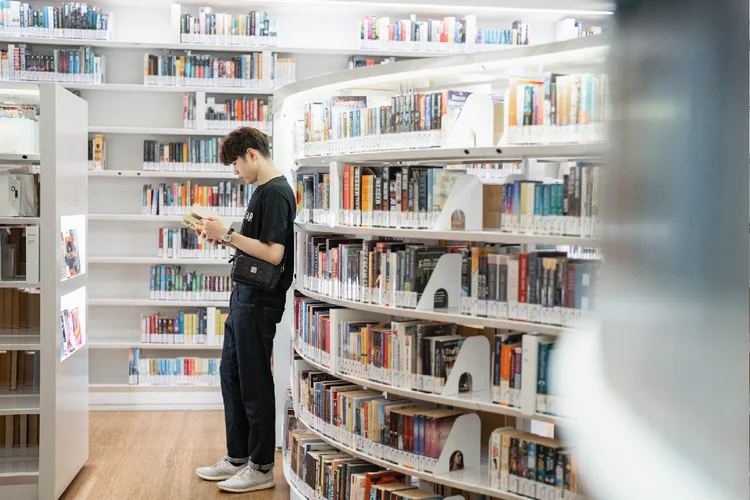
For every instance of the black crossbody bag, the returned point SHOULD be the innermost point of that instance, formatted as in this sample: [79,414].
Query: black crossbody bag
[253,272]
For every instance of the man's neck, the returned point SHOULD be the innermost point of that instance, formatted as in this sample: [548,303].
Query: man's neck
[266,172]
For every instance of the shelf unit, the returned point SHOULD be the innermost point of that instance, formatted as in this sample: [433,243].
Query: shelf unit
[127,112]
[441,74]
[147,174]
[61,399]
[124,302]
[158,261]
[489,236]
[19,159]
[125,344]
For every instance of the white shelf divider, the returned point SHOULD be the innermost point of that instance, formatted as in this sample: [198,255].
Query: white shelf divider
[485,236]
[122,174]
[125,344]
[156,261]
[124,302]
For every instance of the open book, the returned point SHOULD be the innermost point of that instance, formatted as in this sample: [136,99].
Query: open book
[193,218]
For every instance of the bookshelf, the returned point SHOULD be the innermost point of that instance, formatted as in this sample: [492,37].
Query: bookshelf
[127,112]
[58,398]
[346,299]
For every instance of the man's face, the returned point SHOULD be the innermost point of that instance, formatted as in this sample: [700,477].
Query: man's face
[246,167]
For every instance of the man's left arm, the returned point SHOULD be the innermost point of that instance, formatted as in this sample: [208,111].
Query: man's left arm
[274,227]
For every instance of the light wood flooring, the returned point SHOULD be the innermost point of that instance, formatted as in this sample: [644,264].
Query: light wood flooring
[153,455]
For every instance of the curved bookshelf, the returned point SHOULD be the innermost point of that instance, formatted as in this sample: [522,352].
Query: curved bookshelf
[470,401]
[559,152]
[447,317]
[491,236]
[294,492]
[475,480]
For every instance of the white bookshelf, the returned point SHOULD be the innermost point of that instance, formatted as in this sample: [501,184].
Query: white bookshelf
[146,174]
[126,344]
[61,400]
[123,242]
[380,81]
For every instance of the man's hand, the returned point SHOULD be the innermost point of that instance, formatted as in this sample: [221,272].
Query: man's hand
[213,230]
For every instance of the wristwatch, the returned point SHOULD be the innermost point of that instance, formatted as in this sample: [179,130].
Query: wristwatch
[227,238]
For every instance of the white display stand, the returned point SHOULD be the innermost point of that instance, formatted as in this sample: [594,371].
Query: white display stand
[62,402]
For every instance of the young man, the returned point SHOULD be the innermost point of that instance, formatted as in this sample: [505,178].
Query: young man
[246,380]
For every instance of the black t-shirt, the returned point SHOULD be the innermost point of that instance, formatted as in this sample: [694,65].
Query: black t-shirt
[270,218]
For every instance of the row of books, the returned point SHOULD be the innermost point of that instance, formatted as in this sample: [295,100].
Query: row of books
[359,116]
[413,355]
[184,243]
[496,281]
[192,155]
[420,355]
[206,326]
[69,20]
[72,331]
[406,197]
[19,311]
[395,423]
[361,62]
[19,246]
[320,470]
[284,70]
[81,65]
[520,361]
[226,198]
[490,170]
[174,371]
[19,431]
[570,207]
[19,371]
[447,31]
[209,27]
[558,100]
[556,109]
[245,70]
[533,466]
[172,283]
[97,152]
[245,112]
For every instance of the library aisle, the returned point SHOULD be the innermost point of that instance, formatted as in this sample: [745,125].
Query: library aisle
[148,455]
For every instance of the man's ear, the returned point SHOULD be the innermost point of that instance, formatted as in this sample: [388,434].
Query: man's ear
[252,154]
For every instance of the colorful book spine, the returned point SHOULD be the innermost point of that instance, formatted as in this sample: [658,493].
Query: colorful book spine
[204,70]
[184,243]
[80,65]
[226,198]
[192,155]
[71,20]
[174,371]
[206,326]
[172,283]
[214,28]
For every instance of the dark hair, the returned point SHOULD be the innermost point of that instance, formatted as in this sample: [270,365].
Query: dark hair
[237,142]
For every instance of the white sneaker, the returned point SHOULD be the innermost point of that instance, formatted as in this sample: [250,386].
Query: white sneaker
[221,470]
[248,479]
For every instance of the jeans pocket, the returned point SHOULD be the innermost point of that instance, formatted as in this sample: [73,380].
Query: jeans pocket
[244,296]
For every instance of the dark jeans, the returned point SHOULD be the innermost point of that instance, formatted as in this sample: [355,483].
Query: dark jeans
[246,379]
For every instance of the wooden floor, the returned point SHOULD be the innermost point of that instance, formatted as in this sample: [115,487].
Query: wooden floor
[153,455]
